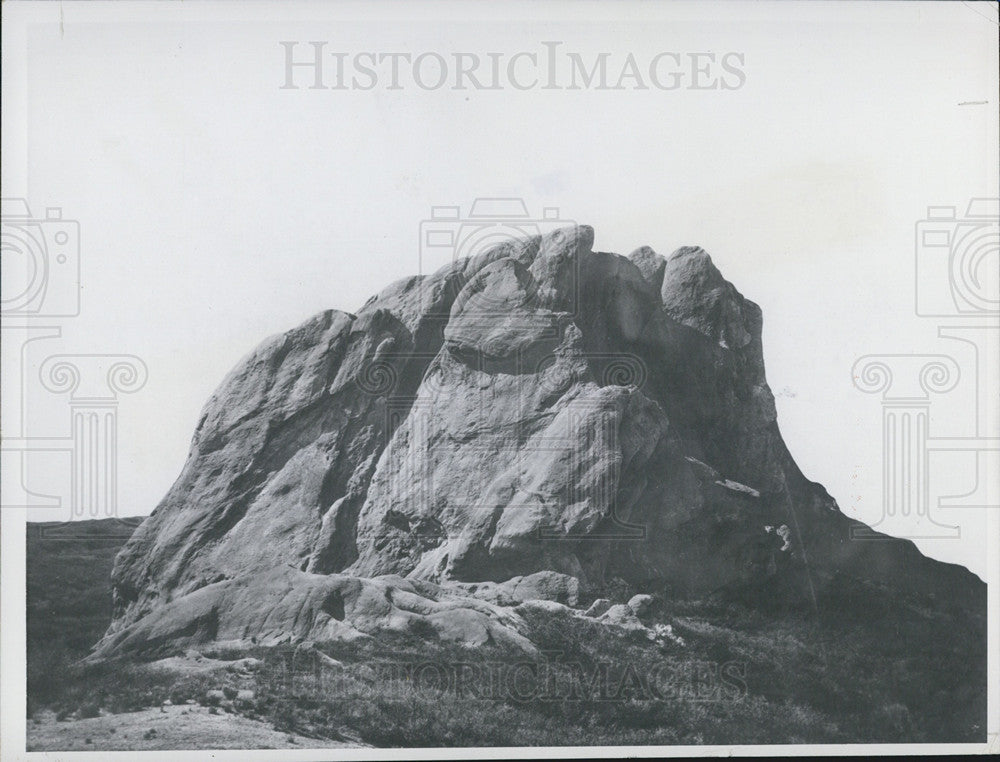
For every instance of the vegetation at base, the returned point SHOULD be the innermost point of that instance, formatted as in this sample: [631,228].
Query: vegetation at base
[855,667]
[68,572]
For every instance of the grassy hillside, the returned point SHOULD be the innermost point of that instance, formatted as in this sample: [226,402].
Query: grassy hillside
[859,667]
[68,594]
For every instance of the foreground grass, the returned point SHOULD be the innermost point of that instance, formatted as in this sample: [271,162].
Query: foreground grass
[68,596]
[858,668]
[766,682]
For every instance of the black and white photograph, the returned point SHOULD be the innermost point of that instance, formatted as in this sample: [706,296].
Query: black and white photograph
[542,379]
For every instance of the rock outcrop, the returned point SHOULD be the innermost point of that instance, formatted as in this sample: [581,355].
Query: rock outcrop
[539,421]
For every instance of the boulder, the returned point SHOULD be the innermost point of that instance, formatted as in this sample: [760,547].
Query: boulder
[651,265]
[622,615]
[285,606]
[544,607]
[641,605]
[598,607]
[694,293]
[545,585]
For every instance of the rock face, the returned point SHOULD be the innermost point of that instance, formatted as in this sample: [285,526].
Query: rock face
[533,422]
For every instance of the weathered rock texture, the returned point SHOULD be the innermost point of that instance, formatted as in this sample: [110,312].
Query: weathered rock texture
[540,411]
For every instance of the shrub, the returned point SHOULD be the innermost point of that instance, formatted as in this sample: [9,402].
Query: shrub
[89,709]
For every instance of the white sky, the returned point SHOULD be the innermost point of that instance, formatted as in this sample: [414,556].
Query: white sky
[217,209]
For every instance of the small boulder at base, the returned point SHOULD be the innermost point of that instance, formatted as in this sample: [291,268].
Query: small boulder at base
[642,605]
[598,607]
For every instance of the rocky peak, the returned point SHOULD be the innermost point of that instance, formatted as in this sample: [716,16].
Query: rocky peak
[651,266]
[695,293]
[540,408]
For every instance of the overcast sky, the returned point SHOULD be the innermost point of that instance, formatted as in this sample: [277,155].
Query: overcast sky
[217,208]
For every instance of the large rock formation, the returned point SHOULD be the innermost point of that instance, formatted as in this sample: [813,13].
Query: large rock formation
[541,418]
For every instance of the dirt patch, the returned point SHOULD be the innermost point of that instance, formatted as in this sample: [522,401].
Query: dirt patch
[169,727]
